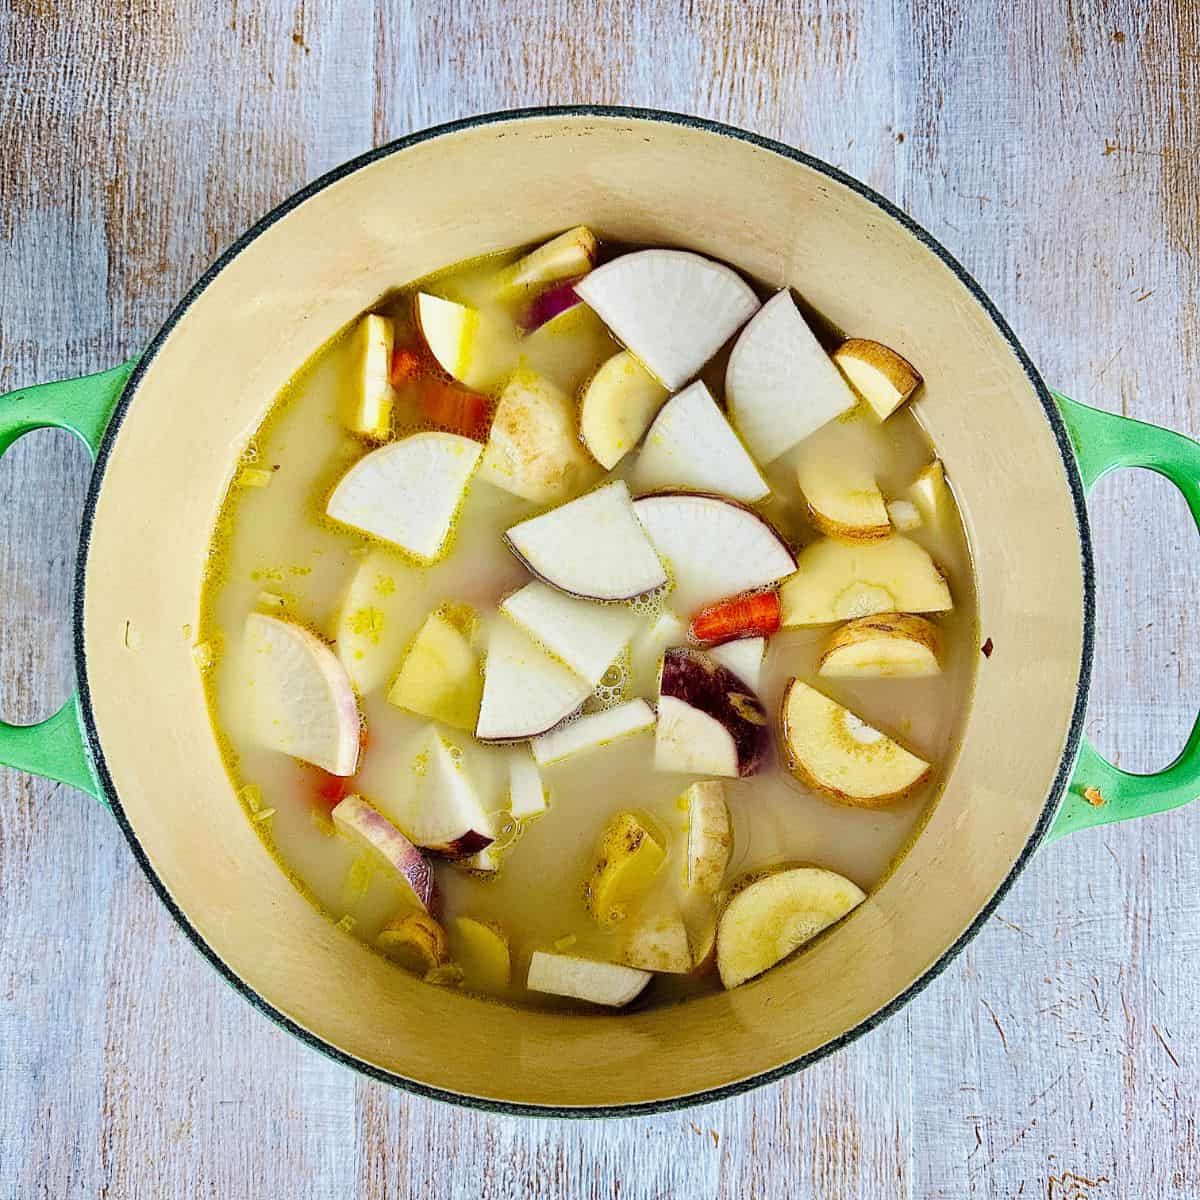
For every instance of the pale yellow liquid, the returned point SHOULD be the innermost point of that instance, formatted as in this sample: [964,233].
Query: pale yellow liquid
[277,540]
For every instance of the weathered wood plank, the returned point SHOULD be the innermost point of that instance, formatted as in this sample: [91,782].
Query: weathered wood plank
[1053,150]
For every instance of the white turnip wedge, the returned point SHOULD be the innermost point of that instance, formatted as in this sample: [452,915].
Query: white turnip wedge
[780,384]
[301,701]
[710,836]
[526,792]
[672,308]
[526,691]
[605,983]
[408,492]
[370,829]
[771,916]
[618,405]
[585,635]
[593,547]
[744,658]
[593,731]
[476,348]
[691,446]
[713,548]
[367,398]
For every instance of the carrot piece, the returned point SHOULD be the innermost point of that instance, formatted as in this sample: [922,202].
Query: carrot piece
[756,615]
[456,409]
[406,365]
[332,788]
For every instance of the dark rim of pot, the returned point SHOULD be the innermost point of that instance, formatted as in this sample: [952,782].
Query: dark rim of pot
[598,112]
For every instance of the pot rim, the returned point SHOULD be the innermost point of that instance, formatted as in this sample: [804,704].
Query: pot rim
[1075,731]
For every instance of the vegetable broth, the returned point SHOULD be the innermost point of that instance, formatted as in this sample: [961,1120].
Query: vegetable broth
[275,550]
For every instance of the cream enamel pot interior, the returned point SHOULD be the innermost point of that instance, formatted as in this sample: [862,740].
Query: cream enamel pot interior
[181,417]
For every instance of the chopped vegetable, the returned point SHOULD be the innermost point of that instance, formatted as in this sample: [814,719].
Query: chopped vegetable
[756,615]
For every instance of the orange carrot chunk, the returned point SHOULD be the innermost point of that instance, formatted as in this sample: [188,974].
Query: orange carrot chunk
[406,365]
[756,615]
[456,410]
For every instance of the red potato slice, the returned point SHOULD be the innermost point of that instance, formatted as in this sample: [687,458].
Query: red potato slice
[691,446]
[878,374]
[672,308]
[414,941]
[367,396]
[532,450]
[610,984]
[838,581]
[710,837]
[302,703]
[780,384]
[712,547]
[408,492]
[770,917]
[838,753]
[617,407]
[435,802]
[477,348]
[889,646]
[744,658]
[593,731]
[659,942]
[708,724]
[370,829]
[564,257]
[526,691]
[588,637]
[593,547]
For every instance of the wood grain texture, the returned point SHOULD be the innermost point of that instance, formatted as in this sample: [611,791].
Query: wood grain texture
[1054,148]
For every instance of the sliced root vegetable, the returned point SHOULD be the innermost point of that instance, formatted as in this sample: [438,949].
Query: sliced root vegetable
[648,647]
[659,942]
[833,750]
[373,627]
[532,450]
[878,374]
[691,446]
[888,646]
[707,723]
[370,829]
[302,701]
[569,255]
[931,495]
[755,615]
[903,515]
[594,547]
[838,581]
[710,836]
[774,915]
[568,348]
[605,983]
[477,348]
[408,364]
[713,548]
[780,384]
[434,801]
[526,691]
[526,792]
[440,676]
[416,942]
[367,398]
[456,409]
[593,731]
[843,499]
[618,405]
[672,308]
[408,492]
[744,658]
[628,859]
[547,305]
[482,950]
[701,922]
[588,637]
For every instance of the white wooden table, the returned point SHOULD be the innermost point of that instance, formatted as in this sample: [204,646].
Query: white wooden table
[1058,154]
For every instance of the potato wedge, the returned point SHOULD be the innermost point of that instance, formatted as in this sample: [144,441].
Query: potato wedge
[878,374]
[628,860]
[415,941]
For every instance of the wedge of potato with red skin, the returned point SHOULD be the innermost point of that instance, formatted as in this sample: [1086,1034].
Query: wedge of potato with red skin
[878,374]
[415,941]
[771,915]
[659,942]
[628,859]
[888,646]
[832,750]
[710,836]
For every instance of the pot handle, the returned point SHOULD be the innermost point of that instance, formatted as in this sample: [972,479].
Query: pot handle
[57,747]
[1100,792]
